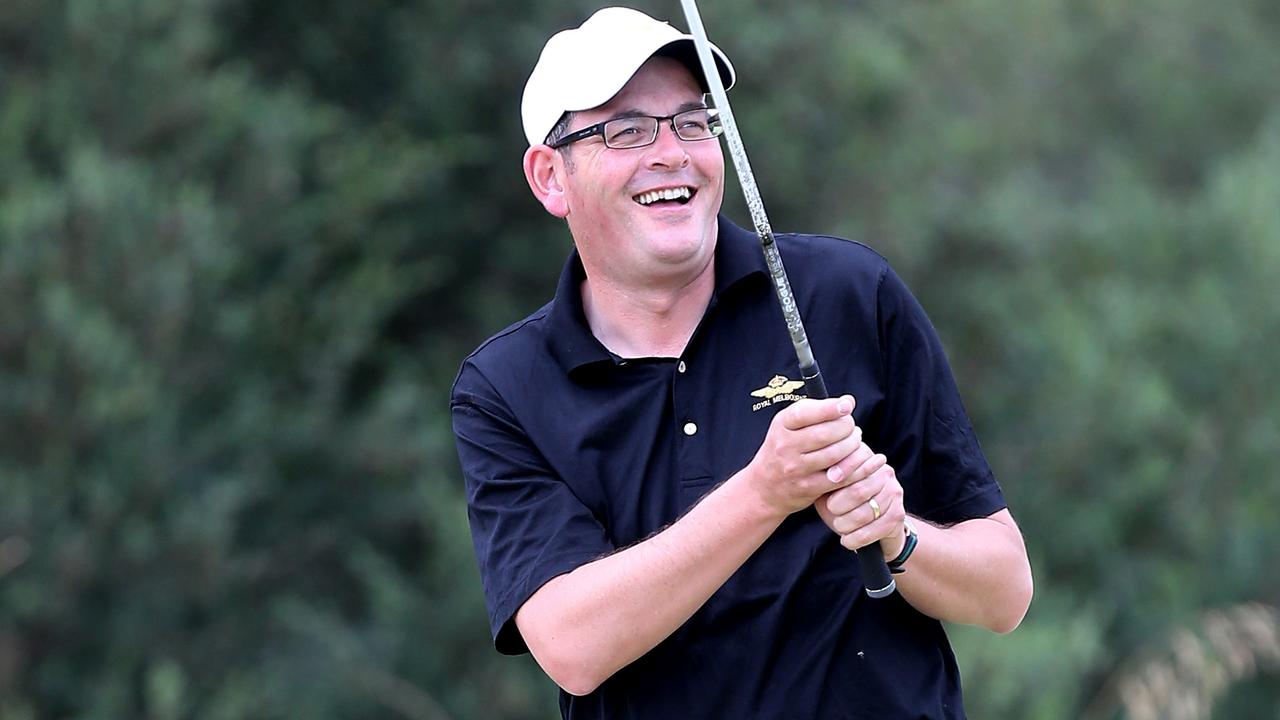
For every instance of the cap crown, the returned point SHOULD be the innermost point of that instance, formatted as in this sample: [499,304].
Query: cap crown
[583,67]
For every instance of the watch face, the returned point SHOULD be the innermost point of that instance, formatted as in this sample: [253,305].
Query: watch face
[911,527]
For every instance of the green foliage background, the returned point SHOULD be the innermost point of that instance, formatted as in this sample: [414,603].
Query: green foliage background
[244,246]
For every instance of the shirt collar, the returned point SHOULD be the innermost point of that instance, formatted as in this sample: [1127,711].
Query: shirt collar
[737,258]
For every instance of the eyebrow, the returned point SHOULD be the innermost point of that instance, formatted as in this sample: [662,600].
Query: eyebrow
[636,112]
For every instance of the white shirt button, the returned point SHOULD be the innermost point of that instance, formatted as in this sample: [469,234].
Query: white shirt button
[690,428]
[680,367]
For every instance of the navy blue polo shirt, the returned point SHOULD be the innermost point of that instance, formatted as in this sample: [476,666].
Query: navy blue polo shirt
[570,452]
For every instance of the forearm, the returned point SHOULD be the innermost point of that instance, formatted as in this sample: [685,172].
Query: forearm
[584,626]
[975,572]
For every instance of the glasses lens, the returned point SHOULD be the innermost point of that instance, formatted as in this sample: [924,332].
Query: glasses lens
[630,132]
[698,124]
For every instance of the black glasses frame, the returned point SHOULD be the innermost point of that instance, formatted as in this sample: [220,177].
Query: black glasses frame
[713,125]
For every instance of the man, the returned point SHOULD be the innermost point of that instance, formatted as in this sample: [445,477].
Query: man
[659,515]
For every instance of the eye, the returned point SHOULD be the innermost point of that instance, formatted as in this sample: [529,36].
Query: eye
[697,124]
[629,132]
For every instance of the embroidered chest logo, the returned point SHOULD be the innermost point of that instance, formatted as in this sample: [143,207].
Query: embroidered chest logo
[779,389]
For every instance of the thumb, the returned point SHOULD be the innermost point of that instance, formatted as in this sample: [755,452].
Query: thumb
[823,512]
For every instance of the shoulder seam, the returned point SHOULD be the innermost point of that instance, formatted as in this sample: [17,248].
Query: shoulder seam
[538,314]
[836,238]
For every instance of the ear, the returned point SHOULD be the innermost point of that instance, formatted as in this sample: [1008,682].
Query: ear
[543,169]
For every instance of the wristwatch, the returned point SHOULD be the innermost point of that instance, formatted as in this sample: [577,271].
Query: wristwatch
[895,565]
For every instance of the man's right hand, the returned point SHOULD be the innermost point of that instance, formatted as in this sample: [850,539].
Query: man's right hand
[812,448]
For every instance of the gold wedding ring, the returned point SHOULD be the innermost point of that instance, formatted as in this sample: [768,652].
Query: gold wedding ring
[875,508]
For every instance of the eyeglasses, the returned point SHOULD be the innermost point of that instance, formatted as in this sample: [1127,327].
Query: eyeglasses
[640,130]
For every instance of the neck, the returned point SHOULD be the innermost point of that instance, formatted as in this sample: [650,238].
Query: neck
[647,321]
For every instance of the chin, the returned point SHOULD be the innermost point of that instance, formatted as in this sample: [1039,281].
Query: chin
[679,245]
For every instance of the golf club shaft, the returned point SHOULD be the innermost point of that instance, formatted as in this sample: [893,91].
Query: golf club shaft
[875,574]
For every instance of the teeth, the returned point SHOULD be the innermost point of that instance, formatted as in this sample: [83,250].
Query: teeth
[654,196]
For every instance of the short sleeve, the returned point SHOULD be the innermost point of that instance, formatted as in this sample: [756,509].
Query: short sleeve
[928,437]
[527,525]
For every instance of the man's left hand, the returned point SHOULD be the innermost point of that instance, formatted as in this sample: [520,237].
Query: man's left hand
[851,513]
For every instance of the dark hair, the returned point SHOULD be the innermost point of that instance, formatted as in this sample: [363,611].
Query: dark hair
[560,129]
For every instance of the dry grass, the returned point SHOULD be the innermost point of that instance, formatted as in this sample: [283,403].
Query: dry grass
[1183,678]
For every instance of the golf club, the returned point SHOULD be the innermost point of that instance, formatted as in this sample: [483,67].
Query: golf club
[875,573]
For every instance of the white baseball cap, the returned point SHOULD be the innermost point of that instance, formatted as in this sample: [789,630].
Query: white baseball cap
[583,67]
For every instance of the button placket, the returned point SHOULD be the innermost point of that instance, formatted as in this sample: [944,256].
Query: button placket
[690,427]
[687,409]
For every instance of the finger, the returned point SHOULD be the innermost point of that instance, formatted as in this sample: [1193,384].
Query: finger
[853,502]
[862,525]
[860,486]
[844,459]
[868,467]
[888,524]
[829,446]
[824,444]
[831,432]
[856,519]
[864,464]
[807,412]
[875,519]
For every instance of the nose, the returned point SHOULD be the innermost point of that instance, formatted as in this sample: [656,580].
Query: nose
[667,150]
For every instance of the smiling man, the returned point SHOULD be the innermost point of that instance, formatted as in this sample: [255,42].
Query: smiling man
[641,207]
[659,517]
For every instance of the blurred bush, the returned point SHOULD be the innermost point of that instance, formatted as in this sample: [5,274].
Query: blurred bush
[245,245]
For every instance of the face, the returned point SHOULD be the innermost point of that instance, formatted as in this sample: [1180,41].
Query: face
[622,234]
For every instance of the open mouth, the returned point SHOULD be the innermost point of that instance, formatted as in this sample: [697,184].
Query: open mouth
[678,195]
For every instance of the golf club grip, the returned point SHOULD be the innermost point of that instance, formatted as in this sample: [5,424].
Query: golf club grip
[875,573]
